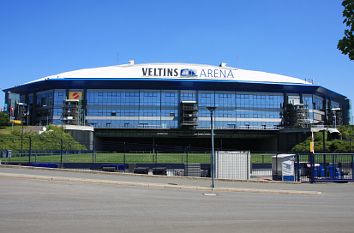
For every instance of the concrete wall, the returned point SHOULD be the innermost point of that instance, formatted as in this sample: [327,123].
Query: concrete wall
[83,134]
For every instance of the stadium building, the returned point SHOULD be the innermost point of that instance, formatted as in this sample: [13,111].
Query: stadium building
[166,103]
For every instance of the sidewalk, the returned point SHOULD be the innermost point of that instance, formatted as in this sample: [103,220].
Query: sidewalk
[151,181]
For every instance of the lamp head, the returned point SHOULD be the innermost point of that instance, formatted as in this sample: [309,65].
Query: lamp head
[211,108]
[336,109]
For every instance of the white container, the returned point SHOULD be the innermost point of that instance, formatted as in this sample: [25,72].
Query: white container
[234,165]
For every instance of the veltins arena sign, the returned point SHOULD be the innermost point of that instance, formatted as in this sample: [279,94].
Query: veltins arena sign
[186,73]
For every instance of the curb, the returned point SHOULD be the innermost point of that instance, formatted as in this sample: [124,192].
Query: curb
[155,185]
[139,175]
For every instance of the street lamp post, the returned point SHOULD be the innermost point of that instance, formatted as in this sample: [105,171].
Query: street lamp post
[20,110]
[212,157]
[21,137]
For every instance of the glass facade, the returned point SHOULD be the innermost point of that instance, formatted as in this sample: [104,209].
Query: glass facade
[318,109]
[59,97]
[308,104]
[259,109]
[315,106]
[161,109]
[44,107]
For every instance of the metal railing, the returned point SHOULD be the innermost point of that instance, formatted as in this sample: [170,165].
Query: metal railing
[318,167]
[324,167]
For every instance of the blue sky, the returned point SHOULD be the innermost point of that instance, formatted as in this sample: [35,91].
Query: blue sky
[296,38]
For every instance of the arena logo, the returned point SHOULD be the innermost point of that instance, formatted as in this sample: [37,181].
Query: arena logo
[188,73]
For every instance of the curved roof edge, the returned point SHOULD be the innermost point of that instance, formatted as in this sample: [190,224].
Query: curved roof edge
[175,84]
[175,71]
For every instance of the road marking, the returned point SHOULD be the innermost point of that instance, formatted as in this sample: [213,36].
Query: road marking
[209,194]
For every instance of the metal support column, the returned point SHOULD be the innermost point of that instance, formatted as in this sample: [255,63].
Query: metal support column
[212,154]
[30,149]
[61,152]
[297,167]
[312,167]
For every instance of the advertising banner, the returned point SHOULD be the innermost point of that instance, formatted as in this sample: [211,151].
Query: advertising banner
[75,95]
[288,171]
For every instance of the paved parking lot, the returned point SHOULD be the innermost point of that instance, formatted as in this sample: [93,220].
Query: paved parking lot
[34,205]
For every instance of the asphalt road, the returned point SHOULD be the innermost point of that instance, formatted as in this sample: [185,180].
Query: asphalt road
[34,205]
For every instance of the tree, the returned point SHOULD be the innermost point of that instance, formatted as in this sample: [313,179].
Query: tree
[4,119]
[332,145]
[346,44]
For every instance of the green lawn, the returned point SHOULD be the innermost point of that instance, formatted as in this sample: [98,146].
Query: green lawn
[140,157]
[115,158]
[261,158]
[128,158]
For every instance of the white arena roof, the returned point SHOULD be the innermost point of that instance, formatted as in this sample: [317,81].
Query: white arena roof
[175,71]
